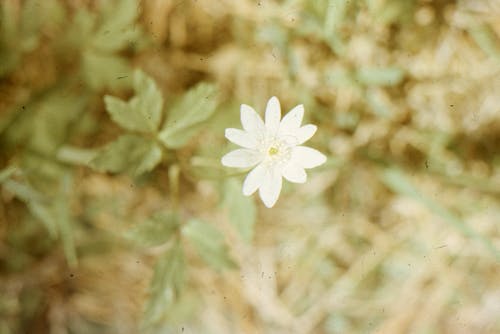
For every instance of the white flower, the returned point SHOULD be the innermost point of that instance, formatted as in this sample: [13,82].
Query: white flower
[274,147]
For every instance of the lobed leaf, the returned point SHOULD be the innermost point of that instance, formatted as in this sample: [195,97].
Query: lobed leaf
[118,27]
[53,212]
[132,154]
[167,284]
[143,112]
[187,117]
[103,70]
[209,243]
[242,211]
[148,99]
[155,231]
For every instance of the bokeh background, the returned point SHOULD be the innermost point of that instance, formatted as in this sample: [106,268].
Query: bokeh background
[116,215]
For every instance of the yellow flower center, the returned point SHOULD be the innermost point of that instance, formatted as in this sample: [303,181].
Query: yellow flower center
[273,150]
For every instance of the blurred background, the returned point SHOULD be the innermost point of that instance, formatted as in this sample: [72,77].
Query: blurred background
[116,215]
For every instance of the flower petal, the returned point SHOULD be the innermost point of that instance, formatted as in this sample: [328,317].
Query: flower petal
[307,157]
[293,172]
[270,189]
[254,180]
[305,133]
[251,121]
[273,115]
[241,158]
[291,121]
[240,137]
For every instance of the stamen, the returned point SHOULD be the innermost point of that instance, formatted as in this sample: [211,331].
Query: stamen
[273,150]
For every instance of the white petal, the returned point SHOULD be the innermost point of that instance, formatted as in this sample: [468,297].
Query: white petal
[291,121]
[307,157]
[254,180]
[293,172]
[250,120]
[273,115]
[240,137]
[241,158]
[270,189]
[305,133]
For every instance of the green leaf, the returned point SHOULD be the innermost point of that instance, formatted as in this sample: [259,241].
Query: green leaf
[79,33]
[398,182]
[186,117]
[53,210]
[19,32]
[148,99]
[102,70]
[155,231]
[143,112]
[51,118]
[129,153]
[43,173]
[209,243]
[118,28]
[242,211]
[167,284]
[372,76]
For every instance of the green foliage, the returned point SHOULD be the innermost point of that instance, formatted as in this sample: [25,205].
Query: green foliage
[17,36]
[102,70]
[154,231]
[129,153]
[41,128]
[99,37]
[242,210]
[209,243]
[143,112]
[187,117]
[167,284]
[118,28]
[46,123]
[53,121]
[53,211]
[59,130]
